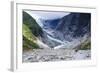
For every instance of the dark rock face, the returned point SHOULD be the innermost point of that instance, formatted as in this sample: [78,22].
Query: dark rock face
[74,25]
[68,28]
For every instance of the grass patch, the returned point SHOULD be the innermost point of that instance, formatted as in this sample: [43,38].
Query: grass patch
[29,40]
[27,44]
[85,46]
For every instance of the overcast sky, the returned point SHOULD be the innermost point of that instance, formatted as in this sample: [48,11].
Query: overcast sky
[46,15]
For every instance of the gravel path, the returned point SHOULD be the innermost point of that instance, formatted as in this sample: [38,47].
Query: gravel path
[42,55]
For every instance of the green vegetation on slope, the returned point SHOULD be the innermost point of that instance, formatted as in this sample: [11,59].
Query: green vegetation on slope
[28,39]
[27,44]
[85,45]
[32,24]
[31,30]
[27,33]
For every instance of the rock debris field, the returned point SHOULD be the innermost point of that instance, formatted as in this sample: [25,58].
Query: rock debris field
[44,55]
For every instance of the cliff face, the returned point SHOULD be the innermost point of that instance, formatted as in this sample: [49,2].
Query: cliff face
[75,25]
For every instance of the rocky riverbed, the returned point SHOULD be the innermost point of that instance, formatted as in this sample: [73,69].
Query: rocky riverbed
[43,55]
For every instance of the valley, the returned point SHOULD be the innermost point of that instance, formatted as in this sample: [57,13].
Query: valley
[59,39]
